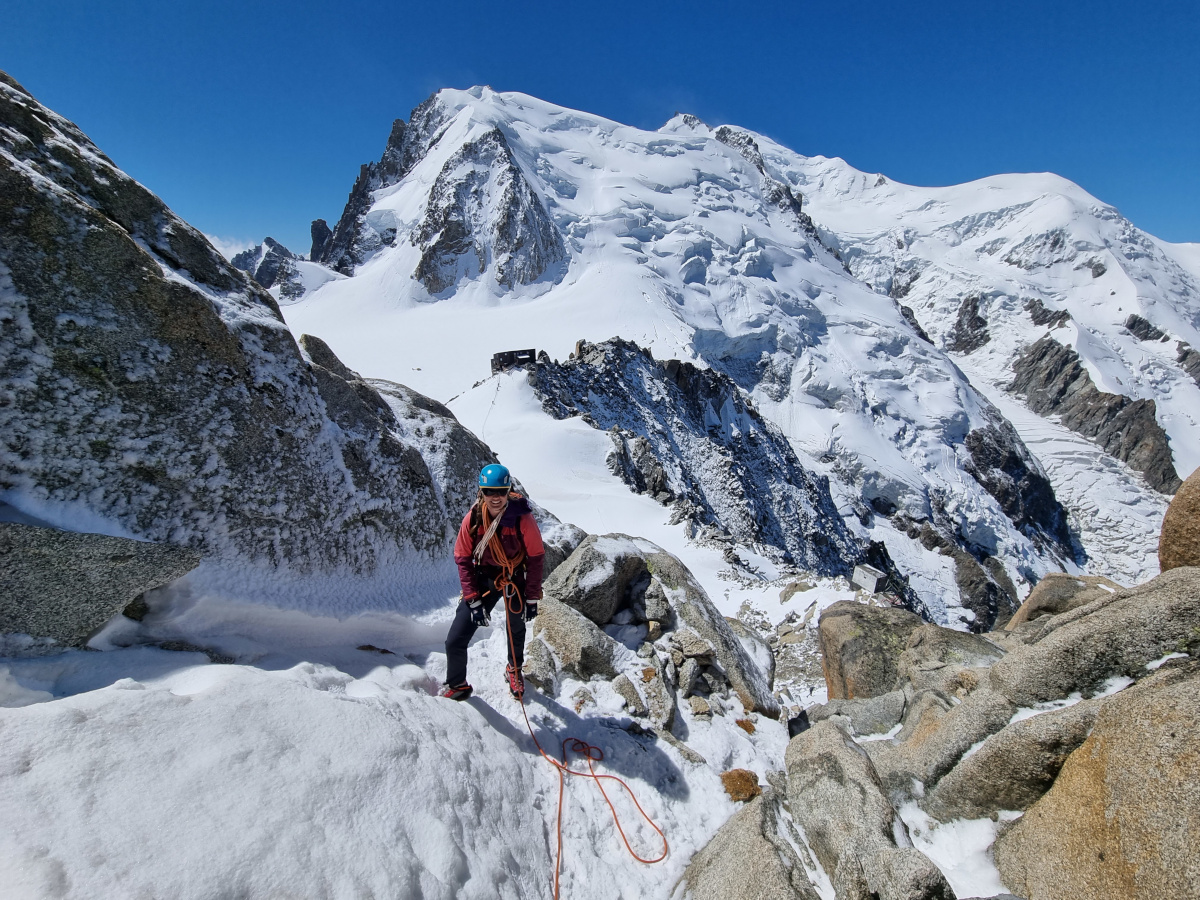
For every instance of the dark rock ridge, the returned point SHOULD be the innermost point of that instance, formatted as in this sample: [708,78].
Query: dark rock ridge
[1189,361]
[1053,380]
[64,586]
[1006,469]
[483,212]
[691,436]
[1043,316]
[145,379]
[970,328]
[911,318]
[270,263]
[1142,329]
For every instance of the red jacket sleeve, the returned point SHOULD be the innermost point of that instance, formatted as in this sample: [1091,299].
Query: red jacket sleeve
[535,553]
[464,546]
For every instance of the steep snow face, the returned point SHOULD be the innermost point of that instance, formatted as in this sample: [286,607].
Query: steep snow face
[691,243]
[990,267]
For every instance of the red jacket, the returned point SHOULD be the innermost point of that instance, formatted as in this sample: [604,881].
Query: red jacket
[518,531]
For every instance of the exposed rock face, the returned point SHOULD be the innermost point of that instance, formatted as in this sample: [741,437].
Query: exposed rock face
[1113,636]
[911,318]
[774,191]
[1052,380]
[1059,592]
[836,796]
[748,858]
[1179,541]
[1007,470]
[723,464]
[1189,360]
[1043,316]
[1122,818]
[861,648]
[64,586]
[1142,329]
[267,263]
[970,329]
[945,660]
[598,581]
[151,382]
[321,236]
[483,213]
[872,715]
[1013,768]
[694,650]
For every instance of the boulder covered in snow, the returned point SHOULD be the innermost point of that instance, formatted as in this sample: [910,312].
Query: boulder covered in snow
[62,585]
[861,647]
[1123,816]
[599,576]
[582,650]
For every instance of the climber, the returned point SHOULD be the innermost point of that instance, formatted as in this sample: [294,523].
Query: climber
[500,554]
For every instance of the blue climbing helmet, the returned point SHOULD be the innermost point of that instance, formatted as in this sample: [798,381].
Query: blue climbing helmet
[494,476]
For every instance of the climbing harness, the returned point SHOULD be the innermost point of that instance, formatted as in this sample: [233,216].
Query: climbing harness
[513,606]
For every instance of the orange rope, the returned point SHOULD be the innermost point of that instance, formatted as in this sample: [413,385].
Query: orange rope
[590,752]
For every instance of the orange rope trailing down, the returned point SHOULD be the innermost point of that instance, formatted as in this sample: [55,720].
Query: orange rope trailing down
[590,752]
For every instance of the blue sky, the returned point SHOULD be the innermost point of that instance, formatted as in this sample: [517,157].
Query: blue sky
[251,119]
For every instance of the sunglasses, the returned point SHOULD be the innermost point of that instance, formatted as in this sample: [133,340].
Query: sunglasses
[494,492]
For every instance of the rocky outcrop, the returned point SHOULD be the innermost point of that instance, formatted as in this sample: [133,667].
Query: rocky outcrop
[836,796]
[600,576]
[861,647]
[1006,469]
[723,466]
[1043,316]
[483,215]
[322,234]
[652,601]
[147,380]
[1142,329]
[749,858]
[64,586]
[1189,360]
[1053,381]
[970,328]
[1059,592]
[871,715]
[1179,540]
[268,263]
[1123,816]
[1013,768]
[1115,636]
[950,662]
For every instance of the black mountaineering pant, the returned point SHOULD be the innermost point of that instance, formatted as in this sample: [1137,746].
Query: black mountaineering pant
[463,630]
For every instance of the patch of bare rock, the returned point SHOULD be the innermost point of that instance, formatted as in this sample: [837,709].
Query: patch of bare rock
[1075,731]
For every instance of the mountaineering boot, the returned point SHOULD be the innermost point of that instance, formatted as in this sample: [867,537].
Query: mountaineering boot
[457,692]
[516,684]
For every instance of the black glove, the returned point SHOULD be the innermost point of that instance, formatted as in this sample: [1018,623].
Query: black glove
[530,608]
[479,615]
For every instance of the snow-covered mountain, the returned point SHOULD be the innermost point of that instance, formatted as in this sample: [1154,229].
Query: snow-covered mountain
[496,221]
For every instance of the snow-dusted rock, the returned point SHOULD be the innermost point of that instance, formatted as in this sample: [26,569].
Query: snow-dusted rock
[836,796]
[749,858]
[1115,636]
[582,649]
[599,577]
[1122,817]
[64,586]
[155,387]
[1013,768]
